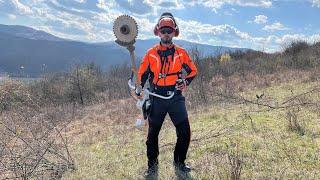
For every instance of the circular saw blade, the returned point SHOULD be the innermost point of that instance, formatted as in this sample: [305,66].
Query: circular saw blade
[125,29]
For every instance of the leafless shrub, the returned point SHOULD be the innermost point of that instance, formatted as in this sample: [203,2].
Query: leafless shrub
[296,47]
[293,123]
[235,163]
[85,84]
[301,55]
[14,94]
[116,79]
[34,147]
[32,144]
[201,83]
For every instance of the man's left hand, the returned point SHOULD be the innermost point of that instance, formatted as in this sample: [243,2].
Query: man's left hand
[181,86]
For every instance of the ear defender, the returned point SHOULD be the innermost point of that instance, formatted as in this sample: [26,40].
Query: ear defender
[166,15]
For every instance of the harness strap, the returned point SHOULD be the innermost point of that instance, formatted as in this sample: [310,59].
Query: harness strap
[164,60]
[170,74]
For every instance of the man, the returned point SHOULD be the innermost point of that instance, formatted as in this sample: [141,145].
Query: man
[163,66]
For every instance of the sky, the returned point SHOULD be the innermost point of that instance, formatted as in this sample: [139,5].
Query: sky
[265,25]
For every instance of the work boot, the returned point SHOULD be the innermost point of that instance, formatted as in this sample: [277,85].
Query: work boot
[181,167]
[152,171]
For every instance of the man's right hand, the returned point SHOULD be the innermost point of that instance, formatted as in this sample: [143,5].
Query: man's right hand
[138,92]
[139,96]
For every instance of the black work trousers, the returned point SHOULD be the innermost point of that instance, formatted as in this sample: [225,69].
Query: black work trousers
[176,109]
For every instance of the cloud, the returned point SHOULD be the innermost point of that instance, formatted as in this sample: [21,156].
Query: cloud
[136,6]
[12,16]
[88,20]
[316,3]
[217,4]
[170,5]
[277,26]
[37,1]
[228,35]
[81,1]
[260,19]
[145,26]
[146,8]
[61,8]
[230,12]
[224,31]
[297,37]
[71,19]
[63,22]
[105,18]
[102,4]
[255,3]
[225,35]
[88,5]
[71,23]
[23,9]
[15,6]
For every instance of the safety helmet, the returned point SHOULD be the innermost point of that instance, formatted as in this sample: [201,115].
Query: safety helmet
[166,20]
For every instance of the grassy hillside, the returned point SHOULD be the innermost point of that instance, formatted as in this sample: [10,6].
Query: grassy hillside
[253,116]
[252,140]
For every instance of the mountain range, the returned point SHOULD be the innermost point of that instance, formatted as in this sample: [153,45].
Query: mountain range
[25,51]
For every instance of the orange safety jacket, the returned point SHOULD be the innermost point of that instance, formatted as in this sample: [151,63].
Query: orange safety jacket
[165,66]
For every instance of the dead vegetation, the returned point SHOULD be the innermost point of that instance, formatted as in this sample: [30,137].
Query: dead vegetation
[32,137]
[37,120]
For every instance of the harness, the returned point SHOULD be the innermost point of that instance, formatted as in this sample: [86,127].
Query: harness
[165,60]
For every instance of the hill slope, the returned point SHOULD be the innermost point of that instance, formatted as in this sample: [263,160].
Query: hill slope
[38,51]
[54,56]
[224,137]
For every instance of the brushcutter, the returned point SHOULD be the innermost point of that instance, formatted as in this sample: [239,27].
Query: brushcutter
[125,29]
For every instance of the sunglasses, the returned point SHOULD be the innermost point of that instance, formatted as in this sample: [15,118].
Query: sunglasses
[166,30]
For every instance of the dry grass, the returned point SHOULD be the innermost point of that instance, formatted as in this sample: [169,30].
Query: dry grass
[255,116]
[228,140]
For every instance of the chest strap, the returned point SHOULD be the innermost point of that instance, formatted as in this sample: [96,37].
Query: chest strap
[170,74]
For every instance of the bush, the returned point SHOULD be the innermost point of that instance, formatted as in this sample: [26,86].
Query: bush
[14,95]
[84,84]
[296,47]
